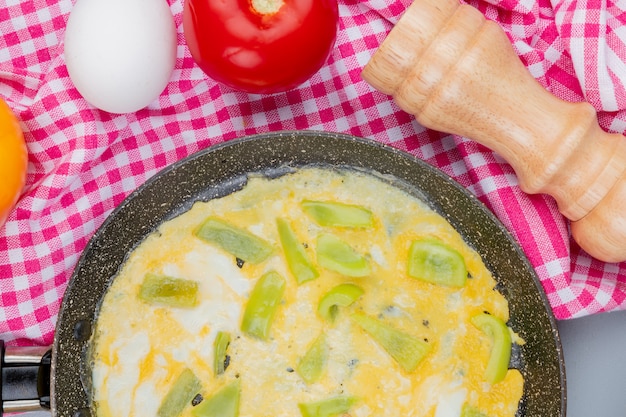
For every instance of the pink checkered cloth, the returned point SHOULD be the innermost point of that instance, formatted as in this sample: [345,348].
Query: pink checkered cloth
[83,162]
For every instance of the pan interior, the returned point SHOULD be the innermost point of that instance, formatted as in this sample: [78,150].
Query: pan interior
[223,169]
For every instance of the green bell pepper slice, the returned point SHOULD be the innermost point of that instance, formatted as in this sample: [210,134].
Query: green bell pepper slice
[220,345]
[297,259]
[469,411]
[342,295]
[311,365]
[237,241]
[327,407]
[336,255]
[335,214]
[500,336]
[433,261]
[262,305]
[169,291]
[184,389]
[407,350]
[224,403]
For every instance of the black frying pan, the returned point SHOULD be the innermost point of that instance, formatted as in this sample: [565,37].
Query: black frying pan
[222,169]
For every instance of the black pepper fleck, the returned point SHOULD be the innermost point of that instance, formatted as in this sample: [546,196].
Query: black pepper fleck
[197,400]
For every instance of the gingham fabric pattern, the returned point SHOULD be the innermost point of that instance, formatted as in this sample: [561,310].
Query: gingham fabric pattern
[83,162]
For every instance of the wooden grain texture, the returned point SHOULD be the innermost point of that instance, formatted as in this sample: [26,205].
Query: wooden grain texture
[457,72]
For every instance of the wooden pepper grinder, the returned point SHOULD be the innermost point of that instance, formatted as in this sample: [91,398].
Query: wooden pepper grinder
[458,73]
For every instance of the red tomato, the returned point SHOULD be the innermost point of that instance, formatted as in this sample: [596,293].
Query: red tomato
[238,44]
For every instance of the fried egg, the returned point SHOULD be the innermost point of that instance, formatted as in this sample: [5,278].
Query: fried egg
[140,348]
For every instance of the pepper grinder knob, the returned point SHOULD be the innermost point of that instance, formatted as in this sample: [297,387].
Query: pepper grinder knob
[457,72]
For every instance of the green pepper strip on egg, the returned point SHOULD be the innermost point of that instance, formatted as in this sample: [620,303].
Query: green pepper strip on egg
[311,365]
[500,336]
[220,344]
[234,240]
[169,291]
[405,349]
[433,261]
[327,407]
[297,259]
[329,214]
[262,304]
[342,295]
[180,394]
[336,255]
[469,411]
[224,403]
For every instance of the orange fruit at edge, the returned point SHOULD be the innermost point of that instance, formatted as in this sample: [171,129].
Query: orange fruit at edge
[13,161]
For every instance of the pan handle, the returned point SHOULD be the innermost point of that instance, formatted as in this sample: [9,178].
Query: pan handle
[25,383]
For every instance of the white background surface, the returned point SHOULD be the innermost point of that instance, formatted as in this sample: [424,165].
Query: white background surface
[594,348]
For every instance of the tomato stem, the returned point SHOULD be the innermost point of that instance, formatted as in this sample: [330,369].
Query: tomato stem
[266,7]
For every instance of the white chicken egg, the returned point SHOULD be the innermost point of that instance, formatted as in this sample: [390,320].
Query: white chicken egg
[120,54]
